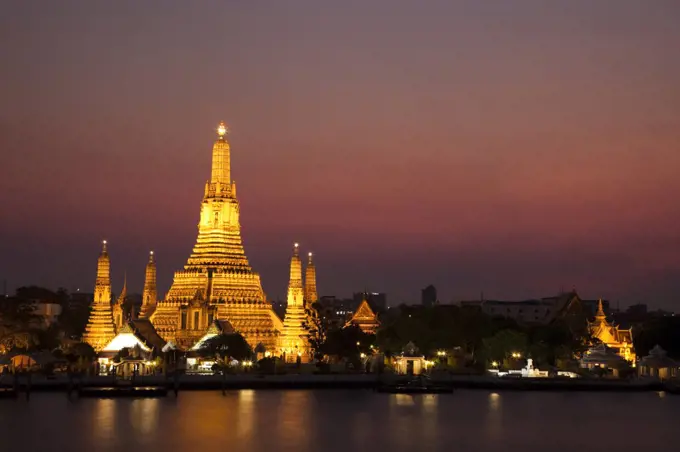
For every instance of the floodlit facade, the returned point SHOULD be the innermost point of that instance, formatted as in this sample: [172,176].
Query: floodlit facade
[217,281]
[100,328]
[365,318]
[618,339]
[293,343]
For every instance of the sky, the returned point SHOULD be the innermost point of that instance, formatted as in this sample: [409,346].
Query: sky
[510,148]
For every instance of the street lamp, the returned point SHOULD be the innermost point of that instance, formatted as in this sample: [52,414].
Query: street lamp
[494,364]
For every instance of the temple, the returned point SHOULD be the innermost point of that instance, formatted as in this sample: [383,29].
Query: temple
[100,328]
[293,343]
[119,316]
[311,296]
[217,281]
[618,339]
[365,319]
[149,295]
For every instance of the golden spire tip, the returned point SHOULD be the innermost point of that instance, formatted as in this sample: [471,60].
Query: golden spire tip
[221,129]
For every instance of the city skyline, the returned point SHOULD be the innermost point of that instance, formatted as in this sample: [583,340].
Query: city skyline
[432,145]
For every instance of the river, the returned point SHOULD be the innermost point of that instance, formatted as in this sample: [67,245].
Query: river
[339,420]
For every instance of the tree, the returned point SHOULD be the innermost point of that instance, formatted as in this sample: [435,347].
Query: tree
[348,343]
[226,346]
[502,345]
[662,331]
[17,320]
[81,350]
[316,330]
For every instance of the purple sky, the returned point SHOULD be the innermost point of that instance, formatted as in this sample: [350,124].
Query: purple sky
[510,147]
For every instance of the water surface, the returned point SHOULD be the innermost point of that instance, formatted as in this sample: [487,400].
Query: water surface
[331,421]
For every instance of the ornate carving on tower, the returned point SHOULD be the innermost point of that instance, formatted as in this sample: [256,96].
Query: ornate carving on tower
[119,307]
[311,296]
[293,341]
[149,295]
[217,278]
[100,328]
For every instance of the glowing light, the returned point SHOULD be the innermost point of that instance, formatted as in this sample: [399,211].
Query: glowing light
[151,253]
[222,129]
[310,254]
[363,355]
[125,340]
[296,245]
[494,363]
[104,242]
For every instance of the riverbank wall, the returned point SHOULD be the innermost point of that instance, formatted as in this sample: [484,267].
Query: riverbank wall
[339,381]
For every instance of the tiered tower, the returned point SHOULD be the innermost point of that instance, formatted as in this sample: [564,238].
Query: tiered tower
[217,280]
[311,296]
[149,295]
[293,341]
[100,328]
[119,307]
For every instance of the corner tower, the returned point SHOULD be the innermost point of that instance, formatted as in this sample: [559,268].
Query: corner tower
[293,342]
[149,295]
[100,328]
[217,281]
[311,296]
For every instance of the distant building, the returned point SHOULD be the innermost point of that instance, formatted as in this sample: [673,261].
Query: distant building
[540,311]
[377,300]
[48,312]
[428,296]
[335,311]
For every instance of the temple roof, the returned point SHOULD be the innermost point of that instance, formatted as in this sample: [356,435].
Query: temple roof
[364,313]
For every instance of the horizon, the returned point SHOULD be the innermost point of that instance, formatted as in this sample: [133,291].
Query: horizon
[475,147]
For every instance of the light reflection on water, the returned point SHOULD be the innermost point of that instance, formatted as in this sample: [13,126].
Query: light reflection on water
[340,421]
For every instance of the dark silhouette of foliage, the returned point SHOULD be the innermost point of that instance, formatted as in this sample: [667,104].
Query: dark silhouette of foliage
[226,346]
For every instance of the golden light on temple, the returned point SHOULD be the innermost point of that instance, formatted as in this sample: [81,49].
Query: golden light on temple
[217,281]
[296,245]
[222,129]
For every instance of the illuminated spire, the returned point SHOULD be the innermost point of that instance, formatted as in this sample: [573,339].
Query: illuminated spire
[221,160]
[100,327]
[149,295]
[600,311]
[123,292]
[295,270]
[311,296]
[292,342]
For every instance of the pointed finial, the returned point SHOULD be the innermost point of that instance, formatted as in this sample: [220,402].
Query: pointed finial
[103,246]
[600,309]
[296,248]
[150,257]
[222,129]
[310,257]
